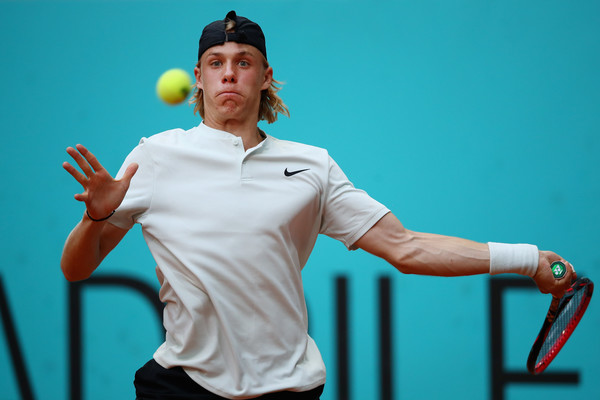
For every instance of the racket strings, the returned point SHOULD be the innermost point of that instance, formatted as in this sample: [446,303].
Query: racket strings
[563,326]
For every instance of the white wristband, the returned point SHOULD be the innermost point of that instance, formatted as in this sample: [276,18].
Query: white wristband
[513,258]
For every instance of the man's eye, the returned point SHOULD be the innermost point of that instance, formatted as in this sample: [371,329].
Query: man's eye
[244,63]
[215,63]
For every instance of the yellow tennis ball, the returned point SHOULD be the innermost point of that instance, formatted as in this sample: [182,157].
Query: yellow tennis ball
[173,86]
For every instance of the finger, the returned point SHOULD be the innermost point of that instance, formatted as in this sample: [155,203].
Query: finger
[79,177]
[563,284]
[130,172]
[81,197]
[91,158]
[573,273]
[560,292]
[569,272]
[83,164]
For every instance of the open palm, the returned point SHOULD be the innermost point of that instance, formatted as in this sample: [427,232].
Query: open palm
[101,192]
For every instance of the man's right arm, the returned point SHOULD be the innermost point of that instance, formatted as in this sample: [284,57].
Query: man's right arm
[87,245]
[93,237]
[437,255]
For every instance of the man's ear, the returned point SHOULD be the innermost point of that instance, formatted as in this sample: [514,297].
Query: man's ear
[198,76]
[268,78]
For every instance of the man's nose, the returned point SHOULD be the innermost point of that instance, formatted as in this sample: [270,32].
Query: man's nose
[229,73]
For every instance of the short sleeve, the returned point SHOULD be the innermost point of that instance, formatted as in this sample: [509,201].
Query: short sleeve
[348,212]
[139,195]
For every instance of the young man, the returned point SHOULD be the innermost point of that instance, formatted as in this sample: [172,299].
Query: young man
[231,215]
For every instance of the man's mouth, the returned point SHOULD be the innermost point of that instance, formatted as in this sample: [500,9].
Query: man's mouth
[228,93]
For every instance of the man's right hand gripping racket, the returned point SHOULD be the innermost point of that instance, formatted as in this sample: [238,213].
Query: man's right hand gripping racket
[562,318]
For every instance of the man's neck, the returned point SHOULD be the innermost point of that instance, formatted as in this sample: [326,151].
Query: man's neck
[248,131]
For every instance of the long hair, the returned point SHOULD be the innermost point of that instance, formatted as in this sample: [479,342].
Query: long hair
[270,102]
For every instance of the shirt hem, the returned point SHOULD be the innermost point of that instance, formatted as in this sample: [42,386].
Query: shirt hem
[366,227]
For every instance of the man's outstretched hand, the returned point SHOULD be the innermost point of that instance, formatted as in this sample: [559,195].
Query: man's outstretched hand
[101,192]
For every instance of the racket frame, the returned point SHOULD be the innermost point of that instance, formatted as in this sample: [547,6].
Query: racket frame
[556,306]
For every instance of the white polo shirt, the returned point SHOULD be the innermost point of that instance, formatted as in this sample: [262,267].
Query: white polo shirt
[230,231]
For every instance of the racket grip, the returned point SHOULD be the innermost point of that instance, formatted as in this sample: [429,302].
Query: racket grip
[559,269]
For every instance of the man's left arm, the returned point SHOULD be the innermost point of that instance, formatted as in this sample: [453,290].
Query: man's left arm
[437,255]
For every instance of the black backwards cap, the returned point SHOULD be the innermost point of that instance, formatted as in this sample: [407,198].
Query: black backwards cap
[245,32]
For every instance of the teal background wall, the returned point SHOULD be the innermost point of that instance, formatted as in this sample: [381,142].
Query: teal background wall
[470,118]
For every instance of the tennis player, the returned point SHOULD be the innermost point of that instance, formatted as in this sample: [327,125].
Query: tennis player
[231,215]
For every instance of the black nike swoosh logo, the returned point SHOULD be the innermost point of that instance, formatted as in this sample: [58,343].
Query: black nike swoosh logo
[290,173]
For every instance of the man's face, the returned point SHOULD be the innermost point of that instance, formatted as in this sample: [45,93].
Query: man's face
[232,76]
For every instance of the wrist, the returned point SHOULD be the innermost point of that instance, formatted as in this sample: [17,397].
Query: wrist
[99,219]
[520,259]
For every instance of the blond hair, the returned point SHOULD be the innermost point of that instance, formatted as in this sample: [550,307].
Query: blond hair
[270,102]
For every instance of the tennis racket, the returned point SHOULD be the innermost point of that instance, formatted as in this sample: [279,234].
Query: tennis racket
[562,318]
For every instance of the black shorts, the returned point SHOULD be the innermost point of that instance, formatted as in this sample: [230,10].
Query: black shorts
[153,382]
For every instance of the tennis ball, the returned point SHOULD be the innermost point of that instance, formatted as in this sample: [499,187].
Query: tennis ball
[173,86]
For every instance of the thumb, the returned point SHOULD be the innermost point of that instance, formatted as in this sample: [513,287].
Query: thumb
[130,172]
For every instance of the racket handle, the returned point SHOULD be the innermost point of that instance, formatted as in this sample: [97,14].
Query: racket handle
[559,269]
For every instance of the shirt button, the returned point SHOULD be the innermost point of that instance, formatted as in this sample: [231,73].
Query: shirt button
[236,143]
